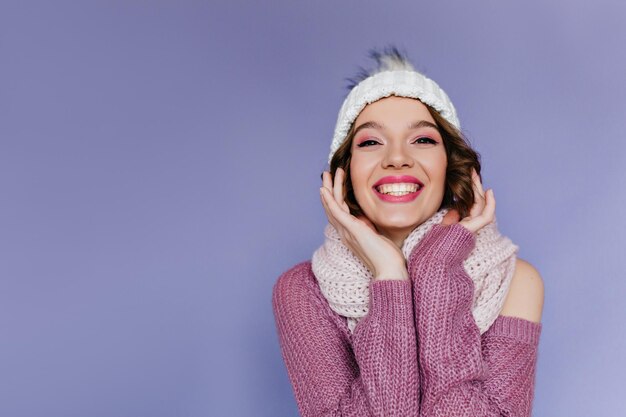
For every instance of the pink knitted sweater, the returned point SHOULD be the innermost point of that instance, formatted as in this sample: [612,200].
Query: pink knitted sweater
[418,352]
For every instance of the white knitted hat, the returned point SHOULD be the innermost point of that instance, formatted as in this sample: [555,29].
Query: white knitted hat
[394,76]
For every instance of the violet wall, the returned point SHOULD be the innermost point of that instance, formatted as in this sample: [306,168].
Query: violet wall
[160,164]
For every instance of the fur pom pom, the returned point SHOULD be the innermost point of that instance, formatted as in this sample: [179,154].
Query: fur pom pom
[389,59]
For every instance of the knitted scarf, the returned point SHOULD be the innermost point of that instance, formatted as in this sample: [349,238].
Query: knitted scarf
[344,279]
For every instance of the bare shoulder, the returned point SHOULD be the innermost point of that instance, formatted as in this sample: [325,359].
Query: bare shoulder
[526,293]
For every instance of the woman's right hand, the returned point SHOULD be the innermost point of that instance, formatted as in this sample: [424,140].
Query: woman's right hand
[381,256]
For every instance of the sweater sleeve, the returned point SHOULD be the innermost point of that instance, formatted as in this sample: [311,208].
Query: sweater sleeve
[374,375]
[463,373]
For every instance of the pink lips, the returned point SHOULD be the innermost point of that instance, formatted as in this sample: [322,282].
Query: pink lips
[396,179]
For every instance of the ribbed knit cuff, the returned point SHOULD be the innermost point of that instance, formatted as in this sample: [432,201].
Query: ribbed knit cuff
[525,331]
[448,243]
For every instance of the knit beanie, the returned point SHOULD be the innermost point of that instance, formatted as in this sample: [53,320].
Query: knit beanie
[396,76]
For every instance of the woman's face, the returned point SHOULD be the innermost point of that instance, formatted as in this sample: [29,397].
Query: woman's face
[397,136]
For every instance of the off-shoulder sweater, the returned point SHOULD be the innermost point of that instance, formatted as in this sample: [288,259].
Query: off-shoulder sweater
[418,351]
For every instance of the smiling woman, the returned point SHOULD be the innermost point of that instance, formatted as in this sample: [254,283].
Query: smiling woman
[396,147]
[460,157]
[412,253]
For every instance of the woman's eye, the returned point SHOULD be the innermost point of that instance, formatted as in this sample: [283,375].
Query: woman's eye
[426,140]
[422,140]
[363,144]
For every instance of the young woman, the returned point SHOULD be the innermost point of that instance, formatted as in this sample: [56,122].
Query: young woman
[415,305]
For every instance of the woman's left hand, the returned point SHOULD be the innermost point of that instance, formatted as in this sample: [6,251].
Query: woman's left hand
[482,212]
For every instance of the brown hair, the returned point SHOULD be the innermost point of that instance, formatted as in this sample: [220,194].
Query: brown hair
[459,191]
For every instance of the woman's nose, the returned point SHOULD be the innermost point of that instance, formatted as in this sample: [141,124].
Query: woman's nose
[397,156]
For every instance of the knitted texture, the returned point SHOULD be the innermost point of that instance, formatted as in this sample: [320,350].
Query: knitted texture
[418,351]
[456,379]
[400,82]
[344,279]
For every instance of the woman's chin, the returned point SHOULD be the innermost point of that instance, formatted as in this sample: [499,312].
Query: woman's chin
[398,225]
[398,222]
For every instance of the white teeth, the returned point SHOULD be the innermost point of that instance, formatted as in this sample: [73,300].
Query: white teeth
[398,188]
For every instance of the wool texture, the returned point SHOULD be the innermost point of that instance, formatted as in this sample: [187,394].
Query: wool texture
[344,279]
[417,353]
[402,82]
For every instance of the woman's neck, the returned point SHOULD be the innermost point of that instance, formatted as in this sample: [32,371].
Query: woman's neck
[397,236]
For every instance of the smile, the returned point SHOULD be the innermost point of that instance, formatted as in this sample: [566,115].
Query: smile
[399,193]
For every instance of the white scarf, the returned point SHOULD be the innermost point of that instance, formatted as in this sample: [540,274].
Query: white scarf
[344,279]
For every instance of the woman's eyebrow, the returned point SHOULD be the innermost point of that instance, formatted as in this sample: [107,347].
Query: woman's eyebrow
[414,125]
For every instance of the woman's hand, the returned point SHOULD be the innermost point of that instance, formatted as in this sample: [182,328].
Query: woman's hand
[482,212]
[381,256]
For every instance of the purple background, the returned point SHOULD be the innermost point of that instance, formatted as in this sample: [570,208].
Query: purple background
[160,165]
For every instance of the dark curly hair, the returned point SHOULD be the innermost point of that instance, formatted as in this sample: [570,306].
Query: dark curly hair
[459,191]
